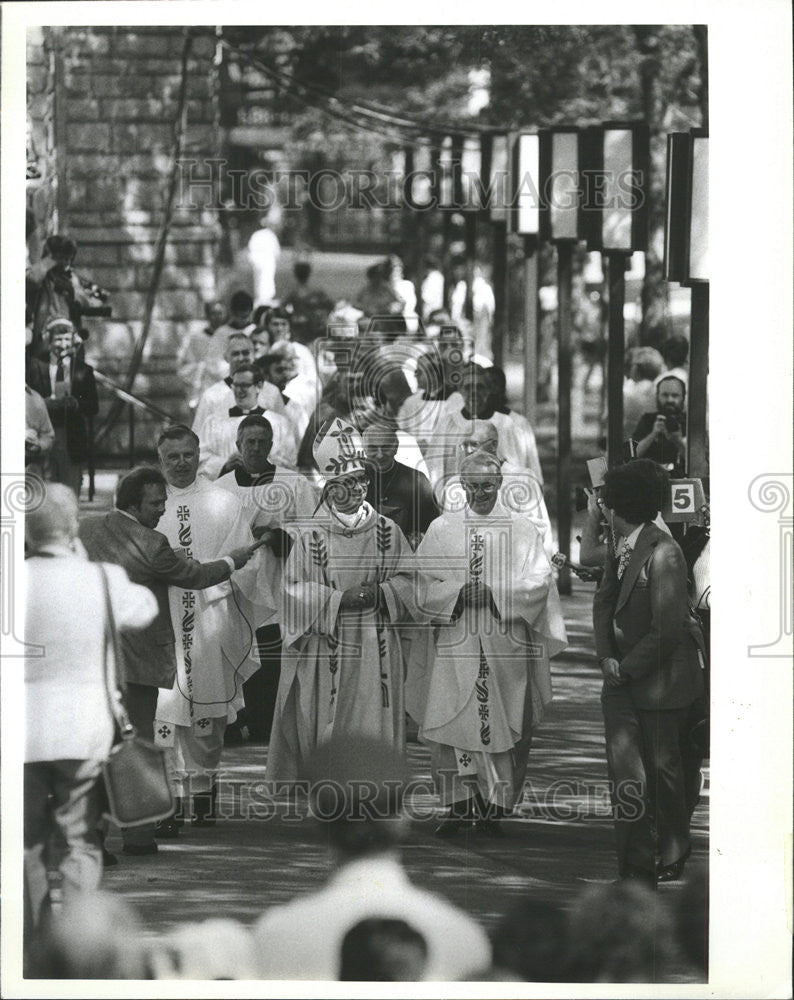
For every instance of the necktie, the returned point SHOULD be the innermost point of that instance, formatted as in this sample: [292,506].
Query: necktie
[623,558]
[60,373]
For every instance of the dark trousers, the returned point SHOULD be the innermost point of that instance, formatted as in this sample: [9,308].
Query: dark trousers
[261,688]
[61,801]
[141,703]
[647,780]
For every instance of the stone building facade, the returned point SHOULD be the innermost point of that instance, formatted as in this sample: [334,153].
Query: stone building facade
[102,107]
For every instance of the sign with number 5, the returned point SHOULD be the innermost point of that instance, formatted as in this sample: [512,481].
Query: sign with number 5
[685,502]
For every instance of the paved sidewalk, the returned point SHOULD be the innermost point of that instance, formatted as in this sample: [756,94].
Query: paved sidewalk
[560,842]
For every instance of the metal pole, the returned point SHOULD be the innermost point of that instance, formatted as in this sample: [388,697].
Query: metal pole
[471,259]
[132,435]
[419,262]
[564,366]
[615,353]
[499,276]
[408,247]
[696,439]
[530,328]
[91,461]
[446,236]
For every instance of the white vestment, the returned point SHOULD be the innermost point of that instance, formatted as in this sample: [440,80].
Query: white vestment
[521,492]
[286,502]
[452,428]
[213,640]
[489,681]
[218,399]
[341,674]
[218,439]
[264,250]
[304,387]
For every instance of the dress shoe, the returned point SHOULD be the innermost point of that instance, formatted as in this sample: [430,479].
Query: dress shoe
[490,828]
[167,829]
[139,850]
[233,737]
[633,874]
[108,859]
[450,826]
[673,872]
[204,808]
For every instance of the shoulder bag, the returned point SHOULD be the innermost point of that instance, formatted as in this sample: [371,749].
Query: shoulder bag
[135,775]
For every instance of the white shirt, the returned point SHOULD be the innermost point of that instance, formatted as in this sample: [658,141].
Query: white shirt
[631,539]
[66,704]
[67,373]
[218,399]
[264,250]
[303,938]
[432,292]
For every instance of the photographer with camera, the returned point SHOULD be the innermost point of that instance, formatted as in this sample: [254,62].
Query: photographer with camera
[661,436]
[53,290]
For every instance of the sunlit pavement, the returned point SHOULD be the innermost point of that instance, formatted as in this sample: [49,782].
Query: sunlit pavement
[266,851]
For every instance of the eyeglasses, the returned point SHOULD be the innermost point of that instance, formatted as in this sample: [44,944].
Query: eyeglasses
[242,385]
[475,488]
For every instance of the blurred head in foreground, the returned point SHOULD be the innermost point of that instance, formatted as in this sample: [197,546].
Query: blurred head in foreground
[356,789]
[54,520]
[619,933]
[530,942]
[381,950]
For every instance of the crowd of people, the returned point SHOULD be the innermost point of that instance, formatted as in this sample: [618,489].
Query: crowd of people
[349,537]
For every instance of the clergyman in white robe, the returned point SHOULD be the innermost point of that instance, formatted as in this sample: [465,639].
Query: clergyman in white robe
[349,587]
[478,698]
[213,638]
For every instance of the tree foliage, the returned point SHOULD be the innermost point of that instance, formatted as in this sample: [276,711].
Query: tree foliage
[540,75]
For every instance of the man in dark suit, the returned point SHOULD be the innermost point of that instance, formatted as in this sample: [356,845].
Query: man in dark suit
[650,650]
[395,490]
[126,536]
[67,386]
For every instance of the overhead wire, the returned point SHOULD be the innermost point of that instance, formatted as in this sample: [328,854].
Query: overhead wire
[295,89]
[334,107]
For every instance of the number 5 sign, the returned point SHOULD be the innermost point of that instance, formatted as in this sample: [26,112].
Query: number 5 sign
[686,499]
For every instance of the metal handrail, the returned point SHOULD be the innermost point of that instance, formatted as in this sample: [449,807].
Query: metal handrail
[133,401]
[130,397]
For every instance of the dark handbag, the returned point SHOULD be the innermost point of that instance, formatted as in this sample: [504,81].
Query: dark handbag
[137,788]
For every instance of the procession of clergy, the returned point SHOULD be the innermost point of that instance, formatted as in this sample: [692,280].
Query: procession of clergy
[406,572]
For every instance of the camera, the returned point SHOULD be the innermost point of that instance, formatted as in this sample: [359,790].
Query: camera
[99,296]
[671,423]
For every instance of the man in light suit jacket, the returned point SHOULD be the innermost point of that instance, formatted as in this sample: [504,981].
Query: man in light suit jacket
[69,726]
[650,650]
[126,536]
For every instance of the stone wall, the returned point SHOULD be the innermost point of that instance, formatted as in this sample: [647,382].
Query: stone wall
[115,95]
[42,189]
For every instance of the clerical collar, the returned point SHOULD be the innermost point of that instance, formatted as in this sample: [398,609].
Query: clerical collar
[383,474]
[178,491]
[244,478]
[351,520]
[236,411]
